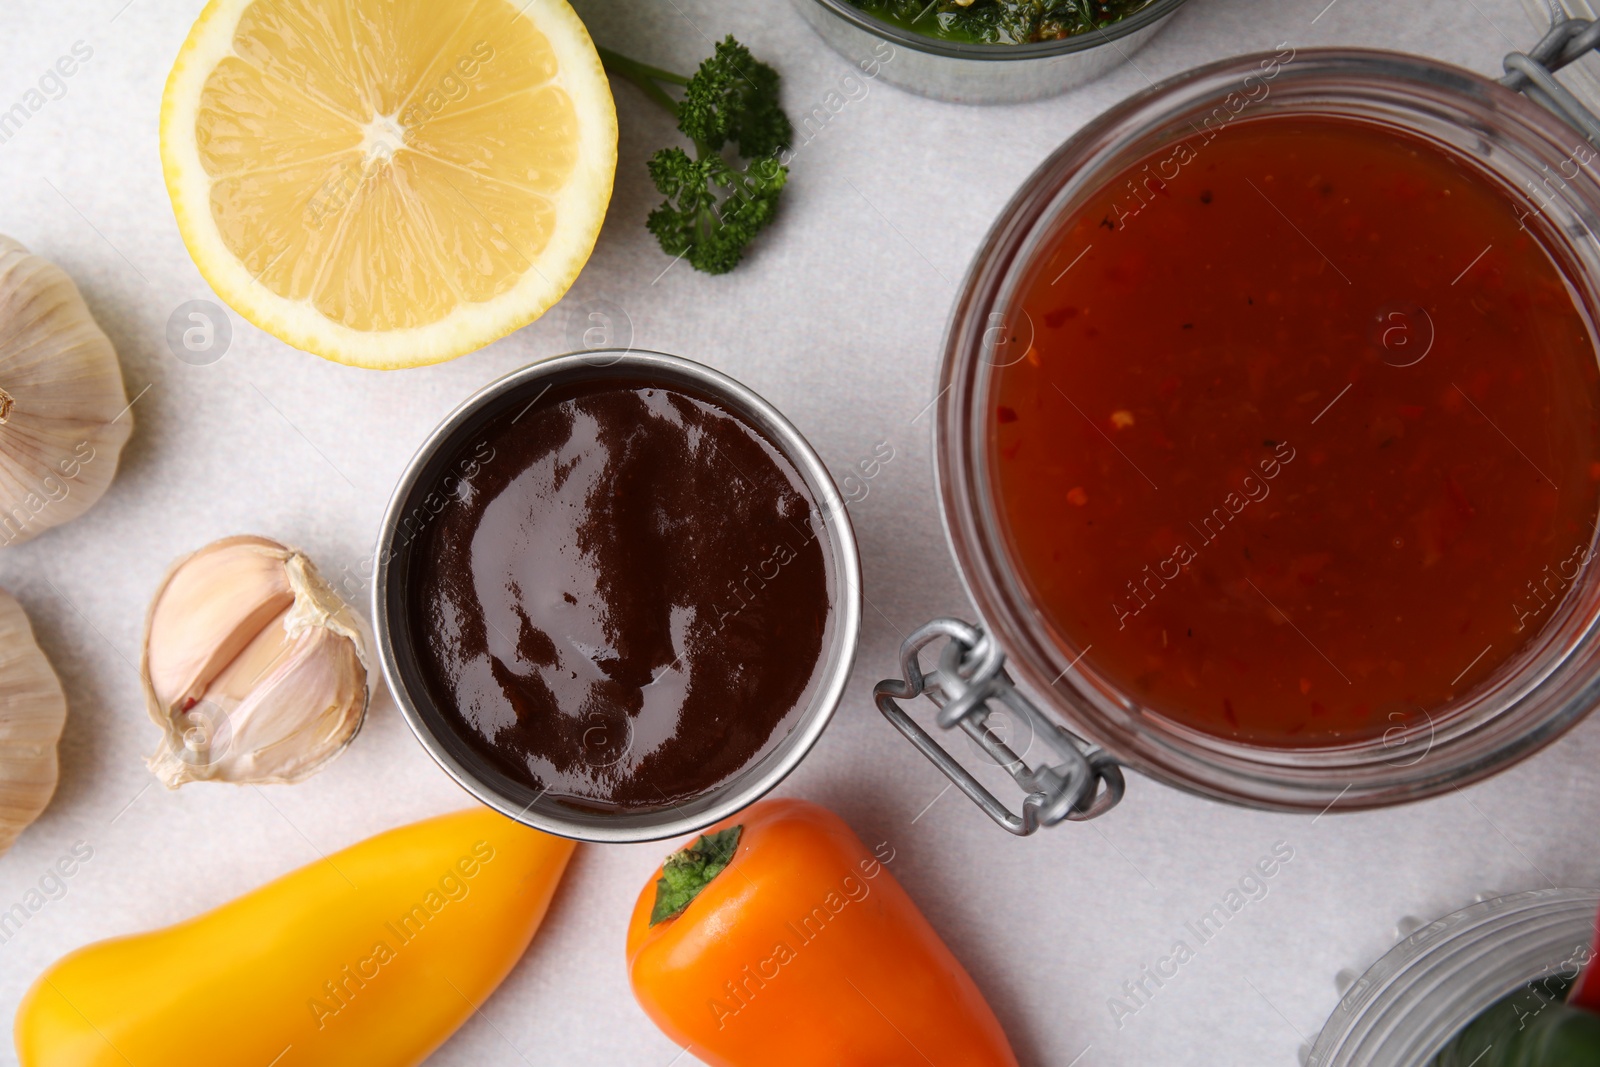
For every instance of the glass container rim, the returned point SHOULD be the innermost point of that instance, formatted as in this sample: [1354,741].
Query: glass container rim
[1436,980]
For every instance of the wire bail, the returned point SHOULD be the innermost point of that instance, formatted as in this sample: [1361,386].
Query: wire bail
[1084,781]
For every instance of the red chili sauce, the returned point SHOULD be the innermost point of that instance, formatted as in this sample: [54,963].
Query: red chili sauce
[1305,446]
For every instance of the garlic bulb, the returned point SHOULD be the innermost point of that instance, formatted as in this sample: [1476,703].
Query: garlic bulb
[32,711]
[254,669]
[63,412]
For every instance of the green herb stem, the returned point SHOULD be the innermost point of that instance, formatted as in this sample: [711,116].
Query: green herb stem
[647,78]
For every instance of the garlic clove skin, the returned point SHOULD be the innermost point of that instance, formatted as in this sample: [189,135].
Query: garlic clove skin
[64,414]
[33,710]
[255,669]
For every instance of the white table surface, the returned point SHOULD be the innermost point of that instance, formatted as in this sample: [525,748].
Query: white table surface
[837,319]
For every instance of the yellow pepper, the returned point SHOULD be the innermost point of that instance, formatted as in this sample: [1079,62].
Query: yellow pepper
[373,956]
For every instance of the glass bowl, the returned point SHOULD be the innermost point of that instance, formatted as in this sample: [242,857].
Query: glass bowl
[1534,697]
[979,73]
[1427,988]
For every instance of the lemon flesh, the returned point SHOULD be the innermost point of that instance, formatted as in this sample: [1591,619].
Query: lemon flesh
[389,183]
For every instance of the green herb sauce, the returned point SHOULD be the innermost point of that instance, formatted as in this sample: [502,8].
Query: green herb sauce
[1001,21]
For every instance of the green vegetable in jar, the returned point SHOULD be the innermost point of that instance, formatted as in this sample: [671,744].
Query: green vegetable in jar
[1001,21]
[1531,1027]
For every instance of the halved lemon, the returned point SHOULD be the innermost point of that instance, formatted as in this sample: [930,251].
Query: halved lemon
[389,183]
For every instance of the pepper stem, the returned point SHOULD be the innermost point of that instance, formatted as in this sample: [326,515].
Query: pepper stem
[6,404]
[690,870]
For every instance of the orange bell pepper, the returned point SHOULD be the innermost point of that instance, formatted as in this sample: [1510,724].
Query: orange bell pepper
[779,940]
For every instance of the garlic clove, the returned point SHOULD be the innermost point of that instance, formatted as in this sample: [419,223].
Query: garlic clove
[301,713]
[64,414]
[254,663]
[33,710]
[254,668]
[212,606]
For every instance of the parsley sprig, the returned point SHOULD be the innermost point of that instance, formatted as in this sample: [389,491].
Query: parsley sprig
[713,208]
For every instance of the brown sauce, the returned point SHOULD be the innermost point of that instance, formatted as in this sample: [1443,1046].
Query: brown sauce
[625,605]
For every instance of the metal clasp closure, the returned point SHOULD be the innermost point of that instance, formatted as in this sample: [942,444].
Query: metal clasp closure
[1085,783]
[1533,73]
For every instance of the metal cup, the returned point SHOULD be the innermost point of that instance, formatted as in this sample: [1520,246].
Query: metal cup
[416,500]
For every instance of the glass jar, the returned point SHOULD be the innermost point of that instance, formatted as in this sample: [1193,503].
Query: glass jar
[1426,989]
[1532,699]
